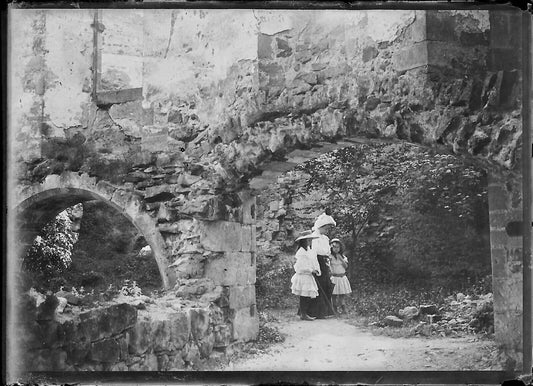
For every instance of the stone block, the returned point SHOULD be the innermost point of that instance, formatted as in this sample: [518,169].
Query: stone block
[221,236]
[393,321]
[234,268]
[411,57]
[108,321]
[498,259]
[264,46]
[192,288]
[199,322]
[223,334]
[140,337]
[241,296]
[245,325]
[107,351]
[507,294]
[206,345]
[508,329]
[120,96]
[77,352]
[161,335]
[248,238]
[180,329]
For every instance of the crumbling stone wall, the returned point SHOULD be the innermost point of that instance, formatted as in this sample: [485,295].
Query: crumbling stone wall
[214,111]
[506,239]
[122,336]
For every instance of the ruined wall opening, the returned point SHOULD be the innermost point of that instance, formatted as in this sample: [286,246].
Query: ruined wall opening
[415,223]
[106,250]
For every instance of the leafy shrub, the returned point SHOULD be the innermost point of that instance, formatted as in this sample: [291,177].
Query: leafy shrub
[50,254]
[130,288]
[273,286]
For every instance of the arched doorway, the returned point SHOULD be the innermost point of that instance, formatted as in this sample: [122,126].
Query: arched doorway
[37,206]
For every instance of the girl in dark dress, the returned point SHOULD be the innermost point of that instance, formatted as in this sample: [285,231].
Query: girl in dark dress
[321,306]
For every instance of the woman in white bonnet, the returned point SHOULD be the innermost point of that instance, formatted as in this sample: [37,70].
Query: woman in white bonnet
[321,306]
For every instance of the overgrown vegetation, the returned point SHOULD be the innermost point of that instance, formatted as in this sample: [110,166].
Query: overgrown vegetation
[414,223]
[50,255]
[104,253]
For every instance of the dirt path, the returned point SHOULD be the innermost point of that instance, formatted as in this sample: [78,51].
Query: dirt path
[333,344]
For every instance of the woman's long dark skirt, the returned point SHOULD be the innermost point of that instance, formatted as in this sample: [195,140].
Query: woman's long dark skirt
[321,306]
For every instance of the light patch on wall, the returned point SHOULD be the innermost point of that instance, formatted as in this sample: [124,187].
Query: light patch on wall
[385,26]
[121,45]
[272,22]
[197,48]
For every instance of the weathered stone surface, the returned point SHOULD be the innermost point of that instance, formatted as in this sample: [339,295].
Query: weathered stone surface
[107,350]
[393,321]
[105,322]
[408,313]
[234,268]
[199,322]
[191,288]
[140,337]
[221,236]
[223,335]
[241,296]
[245,324]
[206,345]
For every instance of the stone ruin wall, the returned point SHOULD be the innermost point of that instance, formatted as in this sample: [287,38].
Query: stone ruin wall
[126,336]
[214,110]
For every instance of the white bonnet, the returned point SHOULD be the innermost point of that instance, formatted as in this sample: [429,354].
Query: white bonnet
[322,220]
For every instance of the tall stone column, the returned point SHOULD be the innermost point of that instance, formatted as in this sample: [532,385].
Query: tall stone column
[505,211]
[235,268]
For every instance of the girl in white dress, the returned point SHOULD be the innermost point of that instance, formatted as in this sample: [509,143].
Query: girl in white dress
[303,283]
[338,264]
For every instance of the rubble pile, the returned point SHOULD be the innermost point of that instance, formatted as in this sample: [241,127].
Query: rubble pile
[460,314]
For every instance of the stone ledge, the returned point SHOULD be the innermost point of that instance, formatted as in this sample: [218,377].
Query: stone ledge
[120,96]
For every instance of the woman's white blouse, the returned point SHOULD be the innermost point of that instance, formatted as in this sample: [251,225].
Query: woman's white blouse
[321,244]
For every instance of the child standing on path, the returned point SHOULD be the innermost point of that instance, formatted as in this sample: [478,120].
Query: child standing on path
[339,263]
[303,282]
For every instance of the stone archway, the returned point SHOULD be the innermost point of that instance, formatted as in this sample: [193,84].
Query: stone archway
[504,189]
[38,204]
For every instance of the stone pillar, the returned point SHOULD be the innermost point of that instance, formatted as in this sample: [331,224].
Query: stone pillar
[505,213]
[234,268]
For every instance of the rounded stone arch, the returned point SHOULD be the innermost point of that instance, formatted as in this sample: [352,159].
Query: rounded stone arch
[37,204]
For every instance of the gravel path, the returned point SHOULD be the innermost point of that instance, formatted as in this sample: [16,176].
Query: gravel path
[334,344]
